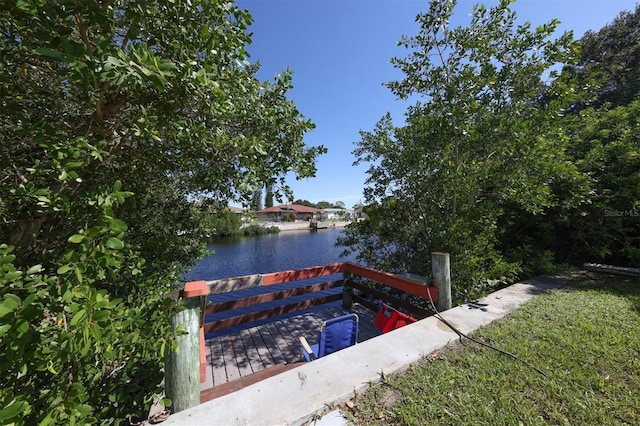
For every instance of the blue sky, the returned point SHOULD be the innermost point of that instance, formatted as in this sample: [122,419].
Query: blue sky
[340,53]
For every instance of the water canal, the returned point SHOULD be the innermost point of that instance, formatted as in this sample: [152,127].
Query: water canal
[262,254]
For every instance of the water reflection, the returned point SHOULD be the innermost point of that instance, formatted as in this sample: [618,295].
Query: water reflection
[268,253]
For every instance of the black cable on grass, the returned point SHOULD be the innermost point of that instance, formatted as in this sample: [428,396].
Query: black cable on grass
[480,342]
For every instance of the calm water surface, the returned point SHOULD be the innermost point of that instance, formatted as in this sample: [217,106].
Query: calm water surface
[269,253]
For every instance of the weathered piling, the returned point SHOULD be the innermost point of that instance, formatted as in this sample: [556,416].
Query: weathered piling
[442,279]
[182,367]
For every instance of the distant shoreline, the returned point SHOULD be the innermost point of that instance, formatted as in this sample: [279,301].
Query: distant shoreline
[304,225]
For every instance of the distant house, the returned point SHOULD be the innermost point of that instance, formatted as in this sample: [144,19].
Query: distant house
[288,212]
[336,214]
[359,213]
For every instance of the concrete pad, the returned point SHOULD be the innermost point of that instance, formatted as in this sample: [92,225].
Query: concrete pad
[332,418]
[295,396]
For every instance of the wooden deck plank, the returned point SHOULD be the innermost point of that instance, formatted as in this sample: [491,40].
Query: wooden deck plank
[288,342]
[241,356]
[301,328]
[251,352]
[281,342]
[367,332]
[313,325]
[230,364]
[227,388]
[216,361]
[269,345]
[262,347]
[272,347]
[367,321]
[295,326]
[367,329]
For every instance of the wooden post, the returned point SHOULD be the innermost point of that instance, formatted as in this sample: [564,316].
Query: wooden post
[182,366]
[442,279]
[347,291]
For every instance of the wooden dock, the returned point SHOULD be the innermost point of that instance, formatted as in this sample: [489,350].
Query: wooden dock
[249,326]
[258,351]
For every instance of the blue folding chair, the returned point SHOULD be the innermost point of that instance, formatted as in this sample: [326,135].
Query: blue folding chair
[335,334]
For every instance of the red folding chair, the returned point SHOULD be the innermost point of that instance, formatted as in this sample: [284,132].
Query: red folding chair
[389,319]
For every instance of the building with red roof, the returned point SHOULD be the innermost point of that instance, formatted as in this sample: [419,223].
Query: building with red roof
[288,212]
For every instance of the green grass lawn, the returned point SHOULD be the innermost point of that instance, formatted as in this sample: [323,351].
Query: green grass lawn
[585,338]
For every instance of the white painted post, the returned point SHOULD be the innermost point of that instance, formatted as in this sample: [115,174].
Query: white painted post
[442,279]
[182,366]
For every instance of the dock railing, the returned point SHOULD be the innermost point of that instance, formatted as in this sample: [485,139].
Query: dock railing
[183,388]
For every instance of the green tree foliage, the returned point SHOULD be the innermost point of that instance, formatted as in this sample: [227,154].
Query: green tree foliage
[254,229]
[607,149]
[304,203]
[481,140]
[610,61]
[601,223]
[114,117]
[222,223]
[256,200]
[83,343]
[320,204]
[324,205]
[268,197]
[146,94]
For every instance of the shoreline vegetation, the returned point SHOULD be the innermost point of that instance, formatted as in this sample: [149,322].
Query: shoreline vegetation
[227,223]
[303,225]
[276,227]
[263,228]
[255,229]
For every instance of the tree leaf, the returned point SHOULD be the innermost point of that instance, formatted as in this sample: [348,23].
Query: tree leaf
[34,269]
[117,225]
[96,331]
[75,239]
[52,54]
[79,316]
[64,269]
[115,243]
[9,304]
[12,410]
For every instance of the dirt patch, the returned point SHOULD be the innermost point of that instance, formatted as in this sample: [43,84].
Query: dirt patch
[389,396]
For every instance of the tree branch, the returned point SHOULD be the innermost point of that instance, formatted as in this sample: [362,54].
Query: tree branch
[83,31]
